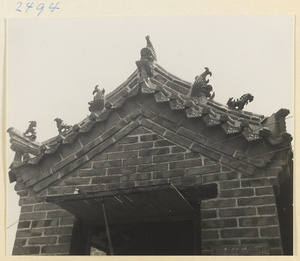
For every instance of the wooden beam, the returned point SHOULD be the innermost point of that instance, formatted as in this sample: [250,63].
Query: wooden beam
[108,193]
[111,250]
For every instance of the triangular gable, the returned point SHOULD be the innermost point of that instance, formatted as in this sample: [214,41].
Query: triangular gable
[161,126]
[141,155]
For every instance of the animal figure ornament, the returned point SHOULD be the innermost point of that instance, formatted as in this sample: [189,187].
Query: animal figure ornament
[200,80]
[31,131]
[97,104]
[147,61]
[61,126]
[148,52]
[241,102]
[98,95]
[200,86]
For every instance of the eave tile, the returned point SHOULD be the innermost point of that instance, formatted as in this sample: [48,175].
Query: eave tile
[160,97]
[209,121]
[230,129]
[251,136]
[192,113]
[176,105]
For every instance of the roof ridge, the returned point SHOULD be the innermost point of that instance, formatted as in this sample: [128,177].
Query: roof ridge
[163,70]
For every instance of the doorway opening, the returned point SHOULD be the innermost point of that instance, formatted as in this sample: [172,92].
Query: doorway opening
[152,220]
[175,237]
[284,201]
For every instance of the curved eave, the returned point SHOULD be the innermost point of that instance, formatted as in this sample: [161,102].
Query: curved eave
[21,144]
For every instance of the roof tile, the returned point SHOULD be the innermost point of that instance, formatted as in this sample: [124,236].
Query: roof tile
[210,121]
[176,105]
[193,113]
[160,97]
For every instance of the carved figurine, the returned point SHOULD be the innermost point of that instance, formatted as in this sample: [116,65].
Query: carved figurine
[146,63]
[98,103]
[200,86]
[30,133]
[99,94]
[148,52]
[62,127]
[241,102]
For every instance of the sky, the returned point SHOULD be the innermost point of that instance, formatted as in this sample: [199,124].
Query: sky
[54,64]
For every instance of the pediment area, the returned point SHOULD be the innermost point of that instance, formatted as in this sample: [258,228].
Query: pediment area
[141,158]
[120,148]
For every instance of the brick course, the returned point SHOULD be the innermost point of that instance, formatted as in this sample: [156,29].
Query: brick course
[41,225]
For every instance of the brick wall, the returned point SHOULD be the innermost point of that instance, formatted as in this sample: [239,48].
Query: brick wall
[244,212]
[142,158]
[43,229]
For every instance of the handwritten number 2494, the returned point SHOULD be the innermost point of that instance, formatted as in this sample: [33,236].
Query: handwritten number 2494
[39,7]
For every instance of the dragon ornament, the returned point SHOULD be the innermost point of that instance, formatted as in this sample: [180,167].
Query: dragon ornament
[241,102]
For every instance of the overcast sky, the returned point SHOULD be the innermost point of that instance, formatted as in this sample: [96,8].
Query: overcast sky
[54,64]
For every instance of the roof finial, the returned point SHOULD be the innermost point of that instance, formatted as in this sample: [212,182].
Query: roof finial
[147,60]
[62,127]
[30,133]
[97,104]
[150,47]
[200,86]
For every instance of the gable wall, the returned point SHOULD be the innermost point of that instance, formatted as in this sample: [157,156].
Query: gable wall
[140,159]
[149,147]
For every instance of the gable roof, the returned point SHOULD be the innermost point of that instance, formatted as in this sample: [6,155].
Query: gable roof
[166,89]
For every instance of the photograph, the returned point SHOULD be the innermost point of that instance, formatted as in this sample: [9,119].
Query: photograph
[150,135]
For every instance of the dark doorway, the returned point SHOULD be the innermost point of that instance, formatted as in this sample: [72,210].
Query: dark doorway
[154,220]
[174,237]
[284,202]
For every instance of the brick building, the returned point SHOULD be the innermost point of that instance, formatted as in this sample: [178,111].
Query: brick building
[157,168]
